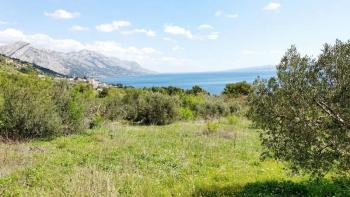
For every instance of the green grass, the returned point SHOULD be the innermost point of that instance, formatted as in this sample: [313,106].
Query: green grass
[174,160]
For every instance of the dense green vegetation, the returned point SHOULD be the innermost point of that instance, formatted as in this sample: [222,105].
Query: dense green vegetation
[35,106]
[63,137]
[237,89]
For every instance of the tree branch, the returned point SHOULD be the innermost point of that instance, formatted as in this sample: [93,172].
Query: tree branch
[331,113]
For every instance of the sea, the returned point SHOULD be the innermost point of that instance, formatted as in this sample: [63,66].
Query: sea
[213,82]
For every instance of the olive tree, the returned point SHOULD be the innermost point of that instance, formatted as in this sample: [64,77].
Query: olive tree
[304,111]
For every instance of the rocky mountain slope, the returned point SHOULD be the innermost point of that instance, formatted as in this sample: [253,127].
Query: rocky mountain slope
[12,65]
[78,63]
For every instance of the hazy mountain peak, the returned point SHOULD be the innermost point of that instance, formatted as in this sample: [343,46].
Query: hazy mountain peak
[78,63]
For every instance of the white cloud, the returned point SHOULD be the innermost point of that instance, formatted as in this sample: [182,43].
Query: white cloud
[272,6]
[78,28]
[115,25]
[149,33]
[176,30]
[11,35]
[205,26]
[40,40]
[218,13]
[233,16]
[213,36]
[146,56]
[62,14]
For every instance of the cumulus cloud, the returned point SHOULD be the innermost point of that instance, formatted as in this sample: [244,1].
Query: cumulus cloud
[115,25]
[40,40]
[272,6]
[147,56]
[78,28]
[176,30]
[149,33]
[62,14]
[205,26]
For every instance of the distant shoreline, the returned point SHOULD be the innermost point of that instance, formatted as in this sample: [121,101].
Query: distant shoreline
[213,82]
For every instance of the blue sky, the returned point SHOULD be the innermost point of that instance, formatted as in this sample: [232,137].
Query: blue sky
[179,35]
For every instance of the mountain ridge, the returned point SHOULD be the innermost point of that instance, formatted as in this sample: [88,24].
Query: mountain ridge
[83,63]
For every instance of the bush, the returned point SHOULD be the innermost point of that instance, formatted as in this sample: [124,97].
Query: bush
[150,108]
[186,114]
[197,90]
[96,121]
[233,120]
[112,106]
[157,109]
[72,104]
[236,89]
[27,108]
[209,107]
[212,127]
[214,107]
[170,90]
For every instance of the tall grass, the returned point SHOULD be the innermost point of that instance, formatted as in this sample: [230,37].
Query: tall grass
[174,160]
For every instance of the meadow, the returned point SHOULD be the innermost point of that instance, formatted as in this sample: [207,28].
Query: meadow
[180,159]
[63,137]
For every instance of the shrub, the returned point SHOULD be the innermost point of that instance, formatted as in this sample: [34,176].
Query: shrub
[96,121]
[27,108]
[212,127]
[72,105]
[186,114]
[151,108]
[103,93]
[112,107]
[197,90]
[208,107]
[132,102]
[170,90]
[158,109]
[236,89]
[214,107]
[192,102]
[232,119]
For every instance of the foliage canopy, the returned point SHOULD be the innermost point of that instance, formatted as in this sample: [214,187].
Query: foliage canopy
[305,111]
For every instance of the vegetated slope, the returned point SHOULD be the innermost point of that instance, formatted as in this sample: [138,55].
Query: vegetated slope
[78,63]
[10,65]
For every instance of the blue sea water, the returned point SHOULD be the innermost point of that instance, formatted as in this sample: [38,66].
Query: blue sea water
[213,82]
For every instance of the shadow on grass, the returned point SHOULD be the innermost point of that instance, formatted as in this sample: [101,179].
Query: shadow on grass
[336,187]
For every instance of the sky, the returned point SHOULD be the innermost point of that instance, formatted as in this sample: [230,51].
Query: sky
[175,36]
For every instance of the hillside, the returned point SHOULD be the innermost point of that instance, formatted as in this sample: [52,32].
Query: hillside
[11,65]
[77,63]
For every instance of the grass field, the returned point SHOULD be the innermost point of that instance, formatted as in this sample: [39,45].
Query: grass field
[175,160]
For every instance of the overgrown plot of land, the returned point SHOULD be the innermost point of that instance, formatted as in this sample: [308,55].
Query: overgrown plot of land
[181,159]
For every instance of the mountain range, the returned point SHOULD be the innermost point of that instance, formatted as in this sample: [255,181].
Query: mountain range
[84,63]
